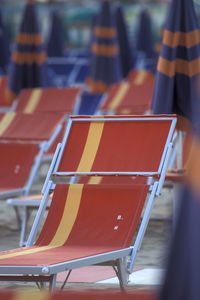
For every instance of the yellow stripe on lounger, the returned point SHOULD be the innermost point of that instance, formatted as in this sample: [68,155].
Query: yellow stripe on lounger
[95,180]
[140,77]
[33,101]
[65,226]
[6,121]
[91,147]
[119,96]
[31,295]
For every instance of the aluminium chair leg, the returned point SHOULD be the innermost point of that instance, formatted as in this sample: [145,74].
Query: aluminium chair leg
[23,227]
[122,273]
[52,282]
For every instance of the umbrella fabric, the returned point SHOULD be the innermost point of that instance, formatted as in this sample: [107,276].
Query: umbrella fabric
[55,40]
[4,46]
[27,68]
[179,64]
[144,36]
[181,281]
[104,64]
[125,51]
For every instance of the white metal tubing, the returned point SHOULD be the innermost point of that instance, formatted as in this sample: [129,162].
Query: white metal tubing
[143,227]
[40,213]
[23,227]
[164,169]
[180,150]
[69,124]
[54,135]
[103,173]
[98,119]
[169,139]
[51,167]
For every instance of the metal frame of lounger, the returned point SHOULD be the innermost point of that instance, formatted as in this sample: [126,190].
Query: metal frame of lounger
[48,273]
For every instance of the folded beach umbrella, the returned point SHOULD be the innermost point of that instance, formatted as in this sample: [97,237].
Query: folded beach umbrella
[125,51]
[178,65]
[104,64]
[55,39]
[182,274]
[144,35]
[4,46]
[27,68]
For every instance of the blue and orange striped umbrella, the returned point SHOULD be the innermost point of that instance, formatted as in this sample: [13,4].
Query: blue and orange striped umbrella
[104,65]
[4,47]
[27,68]
[179,62]
[55,40]
[125,50]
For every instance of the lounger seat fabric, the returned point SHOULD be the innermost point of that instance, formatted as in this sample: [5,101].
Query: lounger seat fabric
[69,233]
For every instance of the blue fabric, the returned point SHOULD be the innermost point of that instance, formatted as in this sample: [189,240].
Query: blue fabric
[55,40]
[60,72]
[181,16]
[28,74]
[4,47]
[89,103]
[106,69]
[144,35]
[177,93]
[125,51]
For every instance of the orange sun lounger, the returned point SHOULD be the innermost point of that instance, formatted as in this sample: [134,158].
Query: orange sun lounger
[91,224]
[80,295]
[19,128]
[63,100]
[86,224]
[19,164]
[130,97]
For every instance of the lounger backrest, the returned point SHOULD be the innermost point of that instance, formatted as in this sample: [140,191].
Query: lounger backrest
[130,97]
[48,100]
[93,215]
[16,160]
[29,127]
[115,144]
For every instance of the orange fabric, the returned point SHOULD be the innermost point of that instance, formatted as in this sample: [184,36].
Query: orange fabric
[29,58]
[16,162]
[113,179]
[51,99]
[32,39]
[115,212]
[105,32]
[135,138]
[3,99]
[169,68]
[137,99]
[178,38]
[38,126]
[79,295]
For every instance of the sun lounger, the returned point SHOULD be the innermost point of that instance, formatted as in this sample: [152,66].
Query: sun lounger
[63,100]
[19,164]
[38,127]
[130,97]
[82,295]
[95,223]
[19,128]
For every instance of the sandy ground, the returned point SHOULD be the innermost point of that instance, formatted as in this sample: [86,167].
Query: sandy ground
[153,250]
